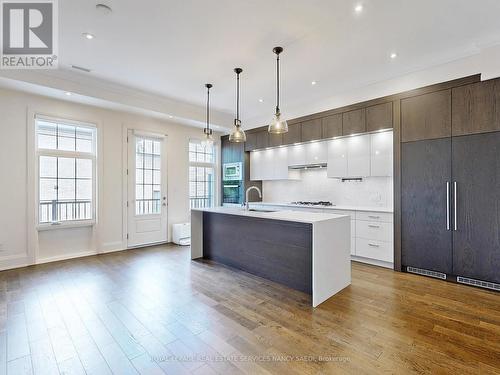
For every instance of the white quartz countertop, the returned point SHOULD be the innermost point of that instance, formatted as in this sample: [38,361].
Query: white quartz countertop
[346,208]
[296,216]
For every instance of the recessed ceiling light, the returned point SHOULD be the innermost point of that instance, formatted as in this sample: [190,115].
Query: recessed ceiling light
[88,36]
[358,8]
[313,83]
[394,55]
[67,93]
[261,100]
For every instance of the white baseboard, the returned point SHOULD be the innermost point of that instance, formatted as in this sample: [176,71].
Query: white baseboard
[373,262]
[111,247]
[66,256]
[14,261]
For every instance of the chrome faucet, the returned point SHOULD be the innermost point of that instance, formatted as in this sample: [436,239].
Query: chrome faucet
[247,206]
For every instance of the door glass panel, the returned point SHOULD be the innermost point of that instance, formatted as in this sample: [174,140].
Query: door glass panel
[148,176]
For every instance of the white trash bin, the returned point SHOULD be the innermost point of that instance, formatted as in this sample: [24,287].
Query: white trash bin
[182,234]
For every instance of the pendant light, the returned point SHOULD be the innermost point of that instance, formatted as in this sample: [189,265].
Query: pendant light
[278,125]
[238,135]
[208,140]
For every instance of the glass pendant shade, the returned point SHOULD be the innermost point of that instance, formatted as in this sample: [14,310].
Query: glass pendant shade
[238,135]
[278,125]
[208,140]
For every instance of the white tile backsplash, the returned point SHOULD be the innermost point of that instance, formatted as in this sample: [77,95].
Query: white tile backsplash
[314,185]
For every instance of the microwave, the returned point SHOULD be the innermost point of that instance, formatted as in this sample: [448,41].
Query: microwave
[232,171]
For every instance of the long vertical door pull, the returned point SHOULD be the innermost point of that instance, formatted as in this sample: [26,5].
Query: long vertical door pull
[455,205]
[447,205]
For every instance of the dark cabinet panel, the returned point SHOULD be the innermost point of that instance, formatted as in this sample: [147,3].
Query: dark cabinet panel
[426,239]
[426,116]
[231,152]
[262,138]
[379,117]
[354,122]
[275,140]
[476,108]
[251,142]
[476,240]
[311,130]
[293,135]
[332,126]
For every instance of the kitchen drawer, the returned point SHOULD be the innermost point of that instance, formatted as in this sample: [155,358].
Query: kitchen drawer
[374,216]
[374,230]
[351,214]
[375,250]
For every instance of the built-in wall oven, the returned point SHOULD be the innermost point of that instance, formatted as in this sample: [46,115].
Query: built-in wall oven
[232,183]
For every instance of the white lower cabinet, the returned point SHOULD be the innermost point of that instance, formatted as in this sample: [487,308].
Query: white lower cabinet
[371,232]
[374,236]
[372,249]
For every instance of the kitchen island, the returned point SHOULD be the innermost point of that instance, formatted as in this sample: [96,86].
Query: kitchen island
[306,251]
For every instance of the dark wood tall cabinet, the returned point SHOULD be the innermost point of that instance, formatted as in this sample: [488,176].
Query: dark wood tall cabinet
[425,201]
[450,181]
[476,234]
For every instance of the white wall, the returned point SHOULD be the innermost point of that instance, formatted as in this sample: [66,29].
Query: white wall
[314,185]
[19,241]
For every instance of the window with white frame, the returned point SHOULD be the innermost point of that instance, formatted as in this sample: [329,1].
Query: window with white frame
[202,166]
[147,176]
[66,153]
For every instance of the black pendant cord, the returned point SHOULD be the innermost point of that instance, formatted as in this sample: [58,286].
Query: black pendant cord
[208,86]
[238,96]
[277,51]
[238,71]
[277,84]
[208,106]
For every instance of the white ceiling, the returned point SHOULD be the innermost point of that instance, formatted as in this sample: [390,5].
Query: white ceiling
[171,48]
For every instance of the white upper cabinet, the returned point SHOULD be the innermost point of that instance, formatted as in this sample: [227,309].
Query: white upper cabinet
[358,156]
[381,154]
[316,153]
[271,164]
[280,165]
[337,158]
[256,165]
[296,155]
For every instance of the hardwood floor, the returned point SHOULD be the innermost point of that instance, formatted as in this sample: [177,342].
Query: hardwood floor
[151,310]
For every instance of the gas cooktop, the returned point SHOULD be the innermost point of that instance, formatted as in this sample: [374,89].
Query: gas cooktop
[319,203]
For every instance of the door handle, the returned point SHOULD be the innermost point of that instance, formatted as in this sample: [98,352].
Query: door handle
[455,205]
[447,205]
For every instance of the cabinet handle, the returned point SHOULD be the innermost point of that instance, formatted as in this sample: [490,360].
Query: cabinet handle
[447,205]
[373,226]
[455,205]
[373,245]
[373,217]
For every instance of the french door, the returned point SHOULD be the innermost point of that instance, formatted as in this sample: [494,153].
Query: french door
[147,189]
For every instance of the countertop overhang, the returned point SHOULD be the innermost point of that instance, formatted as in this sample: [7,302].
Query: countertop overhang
[295,216]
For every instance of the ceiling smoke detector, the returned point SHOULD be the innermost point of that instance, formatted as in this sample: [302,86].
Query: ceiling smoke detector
[103,8]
